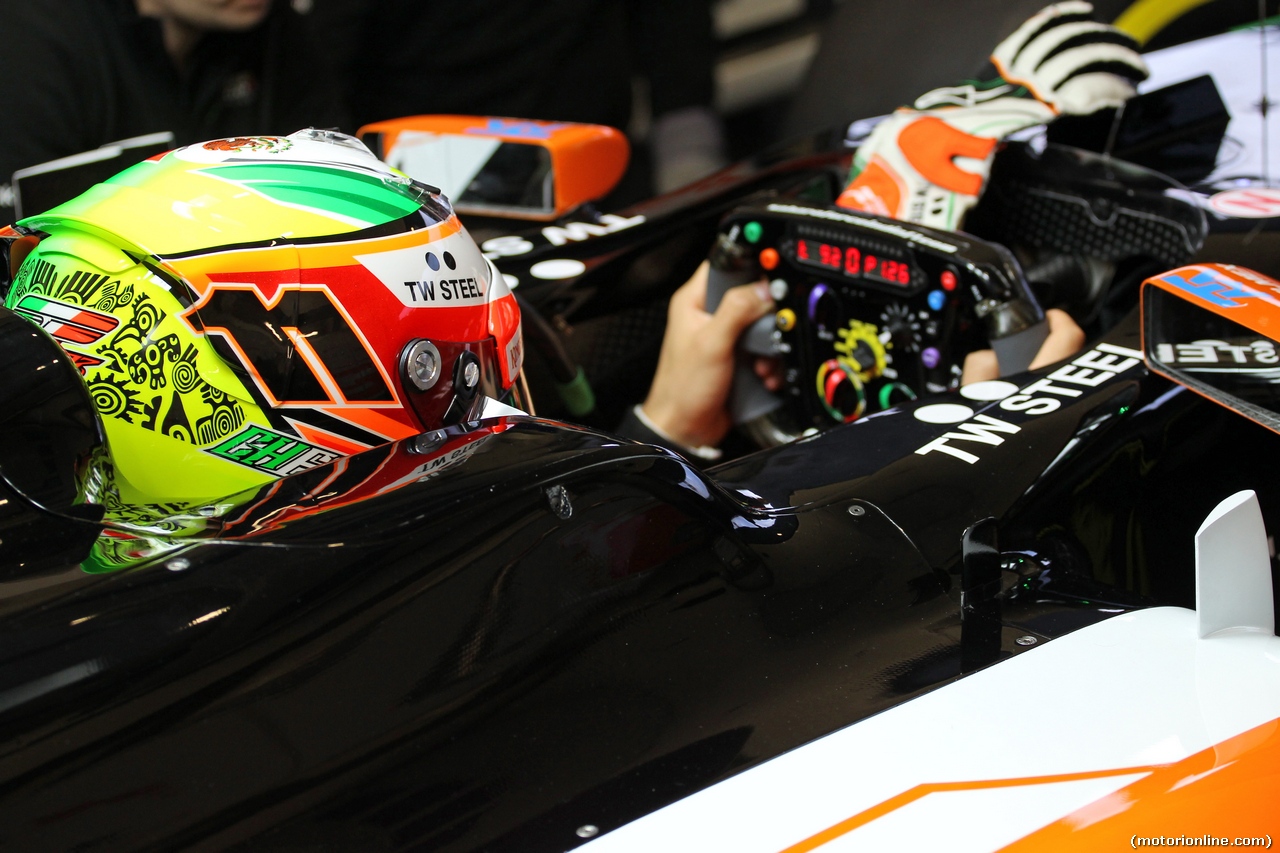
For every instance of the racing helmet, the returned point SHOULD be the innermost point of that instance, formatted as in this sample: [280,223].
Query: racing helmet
[247,308]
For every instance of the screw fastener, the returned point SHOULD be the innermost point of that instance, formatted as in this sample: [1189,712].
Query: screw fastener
[1026,640]
[178,564]
[857,511]
[589,830]
[420,363]
[428,442]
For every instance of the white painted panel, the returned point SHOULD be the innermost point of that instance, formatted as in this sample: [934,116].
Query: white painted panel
[1135,690]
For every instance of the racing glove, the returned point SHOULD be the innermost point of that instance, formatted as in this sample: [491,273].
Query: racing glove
[928,163]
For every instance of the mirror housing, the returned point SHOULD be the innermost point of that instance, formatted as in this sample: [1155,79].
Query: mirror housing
[1214,329]
[513,168]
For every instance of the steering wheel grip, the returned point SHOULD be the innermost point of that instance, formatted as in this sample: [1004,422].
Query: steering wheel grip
[748,398]
[1016,330]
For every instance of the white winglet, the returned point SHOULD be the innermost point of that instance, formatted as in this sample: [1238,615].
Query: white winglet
[1233,568]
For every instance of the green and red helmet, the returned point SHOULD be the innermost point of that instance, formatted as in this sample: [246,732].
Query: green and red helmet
[246,308]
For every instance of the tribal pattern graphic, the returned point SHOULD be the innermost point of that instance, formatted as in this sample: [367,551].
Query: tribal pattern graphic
[90,290]
[134,362]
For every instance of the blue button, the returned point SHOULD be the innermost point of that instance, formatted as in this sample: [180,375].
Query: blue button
[937,299]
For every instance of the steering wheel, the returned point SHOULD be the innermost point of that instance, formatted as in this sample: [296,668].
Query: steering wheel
[870,312]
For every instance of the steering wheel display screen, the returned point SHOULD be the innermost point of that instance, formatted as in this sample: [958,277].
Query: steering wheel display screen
[853,261]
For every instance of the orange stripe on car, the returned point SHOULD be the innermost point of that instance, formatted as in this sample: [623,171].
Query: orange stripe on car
[1228,790]
[920,791]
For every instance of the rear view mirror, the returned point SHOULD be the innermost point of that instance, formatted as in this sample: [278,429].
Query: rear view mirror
[1214,329]
[535,170]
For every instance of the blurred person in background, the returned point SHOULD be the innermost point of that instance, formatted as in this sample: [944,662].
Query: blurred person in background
[557,60]
[85,73]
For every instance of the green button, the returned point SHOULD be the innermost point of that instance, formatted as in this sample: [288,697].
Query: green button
[753,232]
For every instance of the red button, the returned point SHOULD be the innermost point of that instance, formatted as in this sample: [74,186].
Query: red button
[769,258]
[948,280]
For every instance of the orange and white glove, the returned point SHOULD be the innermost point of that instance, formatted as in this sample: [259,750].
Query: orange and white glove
[929,162]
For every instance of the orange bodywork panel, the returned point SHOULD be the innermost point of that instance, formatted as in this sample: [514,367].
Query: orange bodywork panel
[587,160]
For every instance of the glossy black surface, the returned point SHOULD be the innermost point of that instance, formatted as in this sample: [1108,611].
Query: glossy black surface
[47,419]
[483,647]
[1104,493]
[486,648]
[487,638]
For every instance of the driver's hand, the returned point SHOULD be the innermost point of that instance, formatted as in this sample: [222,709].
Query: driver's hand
[1065,339]
[688,400]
